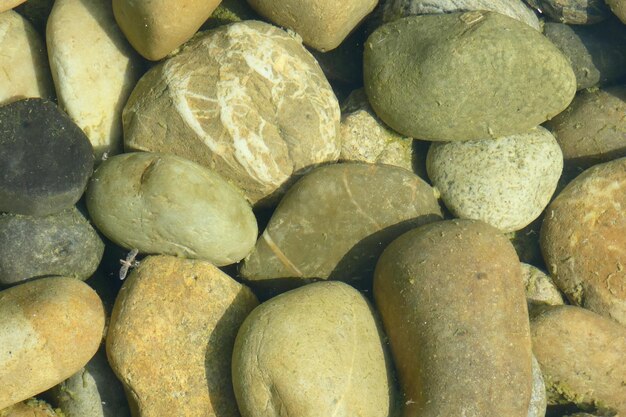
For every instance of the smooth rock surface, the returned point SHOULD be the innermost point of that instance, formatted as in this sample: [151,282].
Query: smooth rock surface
[596,52]
[172,334]
[618,7]
[94,391]
[322,24]
[573,12]
[581,355]
[464,76]
[45,159]
[592,129]
[164,204]
[24,68]
[94,69]
[278,116]
[452,303]
[313,351]
[60,244]
[9,4]
[335,222]
[506,182]
[51,327]
[583,237]
[516,9]
[365,138]
[157,27]
[540,289]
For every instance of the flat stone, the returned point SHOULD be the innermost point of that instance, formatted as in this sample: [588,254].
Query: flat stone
[278,114]
[156,28]
[24,70]
[322,24]
[45,159]
[171,337]
[50,329]
[94,69]
[59,244]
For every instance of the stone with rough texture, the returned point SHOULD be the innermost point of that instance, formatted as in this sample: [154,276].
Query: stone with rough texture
[538,399]
[322,24]
[573,12]
[60,244]
[157,27]
[50,329]
[506,182]
[452,302]
[592,129]
[516,9]
[24,68]
[164,204]
[618,7]
[583,237]
[335,222]
[582,356]
[9,4]
[365,138]
[94,69]
[596,52]
[45,159]
[30,408]
[171,337]
[464,76]
[540,289]
[94,391]
[266,115]
[313,351]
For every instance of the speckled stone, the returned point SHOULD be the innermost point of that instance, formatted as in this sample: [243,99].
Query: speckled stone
[573,12]
[506,182]
[94,69]
[45,159]
[278,116]
[171,337]
[51,327]
[24,70]
[540,289]
[583,237]
[538,399]
[397,9]
[365,138]
[596,52]
[59,244]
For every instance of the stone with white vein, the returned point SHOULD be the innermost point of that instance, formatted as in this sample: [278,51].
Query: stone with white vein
[246,100]
[94,69]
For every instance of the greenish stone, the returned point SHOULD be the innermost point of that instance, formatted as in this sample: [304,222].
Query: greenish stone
[463,76]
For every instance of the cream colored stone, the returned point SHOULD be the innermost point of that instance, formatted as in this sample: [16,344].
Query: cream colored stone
[50,329]
[157,27]
[539,287]
[365,138]
[9,4]
[93,67]
[24,68]
[171,337]
[322,24]
[246,100]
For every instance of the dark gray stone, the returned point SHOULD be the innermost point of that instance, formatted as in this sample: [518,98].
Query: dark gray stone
[597,52]
[60,244]
[45,158]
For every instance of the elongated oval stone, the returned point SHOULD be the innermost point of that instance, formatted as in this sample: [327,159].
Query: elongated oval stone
[463,76]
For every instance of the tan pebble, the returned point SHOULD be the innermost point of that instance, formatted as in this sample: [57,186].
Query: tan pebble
[51,327]
[171,337]
[9,4]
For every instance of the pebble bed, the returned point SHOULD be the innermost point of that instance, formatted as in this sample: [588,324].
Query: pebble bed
[260,208]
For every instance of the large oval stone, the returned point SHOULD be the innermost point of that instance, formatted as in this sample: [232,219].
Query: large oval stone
[246,100]
[463,76]
[164,204]
[49,329]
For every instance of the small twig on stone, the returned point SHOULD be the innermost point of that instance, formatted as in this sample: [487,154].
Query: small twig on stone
[128,263]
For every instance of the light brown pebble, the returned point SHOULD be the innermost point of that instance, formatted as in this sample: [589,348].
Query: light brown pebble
[29,408]
[51,327]
[172,334]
